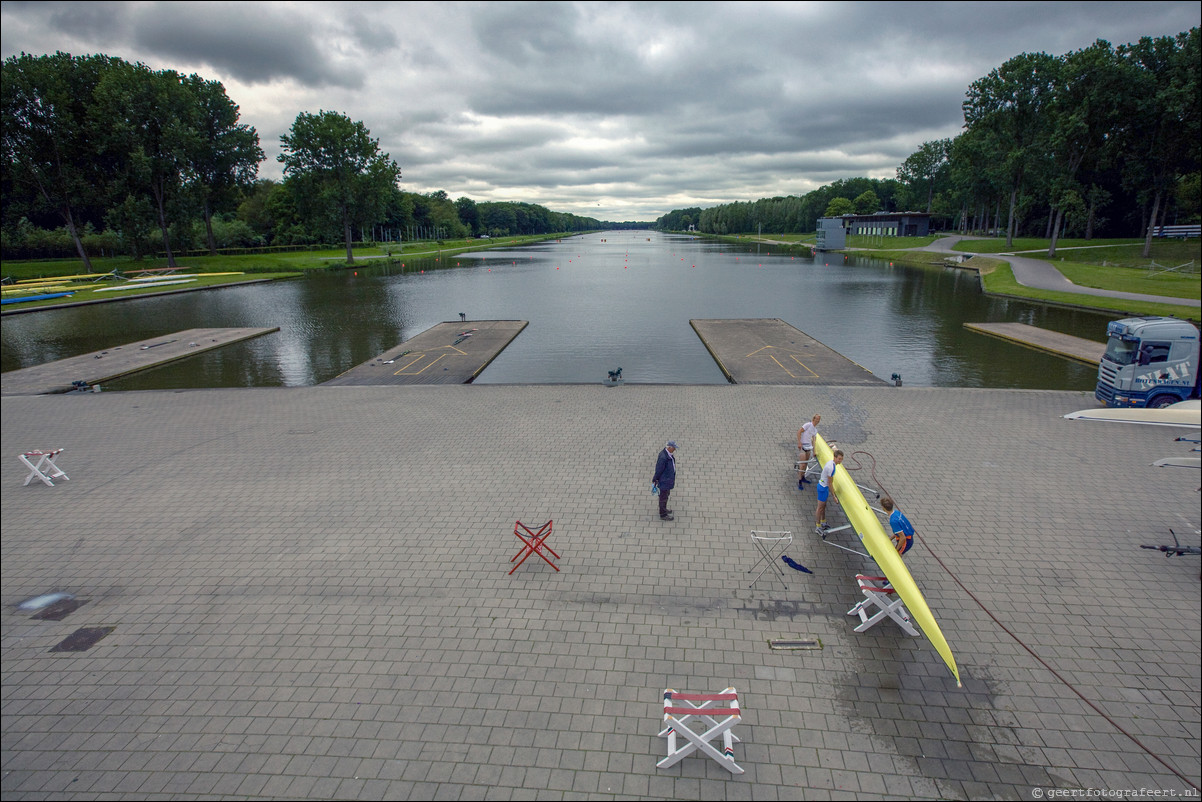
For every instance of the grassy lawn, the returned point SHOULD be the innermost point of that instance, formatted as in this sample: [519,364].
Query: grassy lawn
[1165,253]
[262,262]
[792,239]
[787,240]
[227,268]
[1102,264]
[889,243]
[907,257]
[1114,252]
[101,290]
[998,278]
[1022,244]
[1132,279]
[272,262]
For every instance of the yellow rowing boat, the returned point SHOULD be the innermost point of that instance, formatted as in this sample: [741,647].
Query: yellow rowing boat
[872,535]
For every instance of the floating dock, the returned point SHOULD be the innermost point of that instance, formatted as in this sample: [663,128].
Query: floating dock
[122,360]
[448,353]
[1052,342]
[770,351]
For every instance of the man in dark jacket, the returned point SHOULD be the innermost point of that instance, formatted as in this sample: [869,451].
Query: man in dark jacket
[665,478]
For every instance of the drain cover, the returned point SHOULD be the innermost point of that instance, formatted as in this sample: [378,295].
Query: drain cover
[795,643]
[60,609]
[83,639]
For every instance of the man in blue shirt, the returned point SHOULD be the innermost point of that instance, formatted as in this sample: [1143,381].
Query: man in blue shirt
[903,530]
[665,478]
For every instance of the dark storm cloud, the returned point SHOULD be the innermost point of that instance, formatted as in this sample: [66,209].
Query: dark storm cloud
[644,107]
[87,20]
[37,28]
[252,42]
[577,62]
[371,33]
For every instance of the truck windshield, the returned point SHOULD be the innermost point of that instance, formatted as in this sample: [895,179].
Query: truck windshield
[1121,352]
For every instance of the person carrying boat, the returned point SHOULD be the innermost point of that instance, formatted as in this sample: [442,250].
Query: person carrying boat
[805,449]
[824,490]
[903,530]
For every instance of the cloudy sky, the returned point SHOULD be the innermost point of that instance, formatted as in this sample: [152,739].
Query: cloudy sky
[619,111]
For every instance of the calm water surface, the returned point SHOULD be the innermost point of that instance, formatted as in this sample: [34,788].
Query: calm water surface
[595,303]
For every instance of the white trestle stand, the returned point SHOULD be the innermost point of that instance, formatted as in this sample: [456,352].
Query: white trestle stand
[880,596]
[720,720]
[45,468]
[812,467]
[771,546]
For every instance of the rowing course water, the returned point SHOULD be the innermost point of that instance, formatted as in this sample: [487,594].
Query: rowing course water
[594,303]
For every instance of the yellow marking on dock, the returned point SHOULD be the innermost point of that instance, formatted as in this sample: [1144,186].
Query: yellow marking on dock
[429,353]
[770,351]
[804,365]
[792,356]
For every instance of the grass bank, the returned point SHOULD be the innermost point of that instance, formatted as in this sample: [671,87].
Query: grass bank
[784,240]
[998,279]
[208,272]
[925,258]
[1101,264]
[266,261]
[105,291]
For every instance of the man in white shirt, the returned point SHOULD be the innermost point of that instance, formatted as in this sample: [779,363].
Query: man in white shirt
[805,449]
[824,490]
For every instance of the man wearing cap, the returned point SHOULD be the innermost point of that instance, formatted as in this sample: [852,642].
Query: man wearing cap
[665,478]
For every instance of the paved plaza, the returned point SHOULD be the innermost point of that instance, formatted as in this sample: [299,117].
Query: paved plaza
[308,596]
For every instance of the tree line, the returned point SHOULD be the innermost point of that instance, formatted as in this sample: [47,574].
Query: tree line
[104,156]
[1103,140]
[789,214]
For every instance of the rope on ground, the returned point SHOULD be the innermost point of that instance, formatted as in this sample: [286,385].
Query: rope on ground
[1019,640]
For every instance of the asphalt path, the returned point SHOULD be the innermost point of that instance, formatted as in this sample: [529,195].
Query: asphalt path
[1042,275]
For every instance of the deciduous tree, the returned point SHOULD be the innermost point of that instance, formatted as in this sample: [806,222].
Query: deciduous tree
[226,156]
[342,173]
[51,142]
[1010,103]
[1164,132]
[839,207]
[925,168]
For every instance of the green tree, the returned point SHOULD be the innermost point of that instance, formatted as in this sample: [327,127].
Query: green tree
[1009,105]
[152,125]
[925,170]
[839,207]
[1085,111]
[226,157]
[51,138]
[469,214]
[1162,138]
[1189,196]
[132,217]
[867,202]
[499,218]
[341,171]
[975,177]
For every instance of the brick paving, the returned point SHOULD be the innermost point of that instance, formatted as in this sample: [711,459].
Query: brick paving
[309,596]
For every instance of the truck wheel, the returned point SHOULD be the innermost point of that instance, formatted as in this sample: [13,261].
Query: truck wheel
[1162,401]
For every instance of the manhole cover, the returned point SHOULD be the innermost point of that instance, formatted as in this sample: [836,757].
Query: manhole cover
[83,639]
[60,609]
[795,643]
